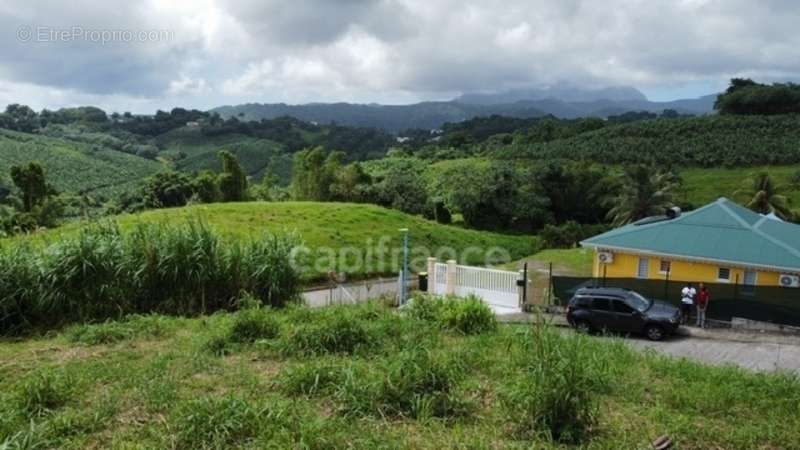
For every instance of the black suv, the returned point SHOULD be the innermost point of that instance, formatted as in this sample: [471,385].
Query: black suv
[622,310]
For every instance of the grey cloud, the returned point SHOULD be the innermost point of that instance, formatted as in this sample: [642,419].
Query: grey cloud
[355,50]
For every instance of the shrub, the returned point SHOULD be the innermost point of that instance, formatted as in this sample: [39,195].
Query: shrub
[335,332]
[251,325]
[42,393]
[468,316]
[426,307]
[556,393]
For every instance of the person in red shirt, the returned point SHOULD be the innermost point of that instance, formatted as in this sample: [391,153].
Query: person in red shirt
[702,305]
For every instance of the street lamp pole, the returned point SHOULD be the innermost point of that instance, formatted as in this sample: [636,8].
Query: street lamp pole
[404,274]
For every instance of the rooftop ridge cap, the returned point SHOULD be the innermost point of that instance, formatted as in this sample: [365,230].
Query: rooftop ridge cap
[758,231]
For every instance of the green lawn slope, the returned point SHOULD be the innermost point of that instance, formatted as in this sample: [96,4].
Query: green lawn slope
[358,239]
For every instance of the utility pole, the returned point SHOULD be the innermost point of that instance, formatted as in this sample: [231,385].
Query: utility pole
[404,273]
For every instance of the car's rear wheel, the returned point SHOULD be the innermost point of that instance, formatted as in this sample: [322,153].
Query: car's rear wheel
[583,326]
[654,332]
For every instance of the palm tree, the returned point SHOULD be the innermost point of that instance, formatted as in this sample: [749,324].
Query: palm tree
[764,197]
[645,192]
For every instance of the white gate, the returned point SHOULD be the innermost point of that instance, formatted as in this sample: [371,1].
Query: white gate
[498,288]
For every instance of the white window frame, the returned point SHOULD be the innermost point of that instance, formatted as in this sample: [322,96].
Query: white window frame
[724,280]
[639,268]
[661,265]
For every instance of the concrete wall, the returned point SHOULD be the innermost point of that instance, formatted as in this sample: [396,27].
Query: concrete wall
[627,266]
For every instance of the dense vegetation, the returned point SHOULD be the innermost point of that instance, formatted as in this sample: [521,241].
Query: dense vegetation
[101,273]
[494,173]
[370,377]
[357,239]
[745,96]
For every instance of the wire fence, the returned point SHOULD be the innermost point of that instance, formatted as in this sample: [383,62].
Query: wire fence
[777,305]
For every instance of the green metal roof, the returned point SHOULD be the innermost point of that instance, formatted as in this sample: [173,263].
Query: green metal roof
[721,231]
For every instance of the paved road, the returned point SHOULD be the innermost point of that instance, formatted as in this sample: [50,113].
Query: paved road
[751,350]
[762,356]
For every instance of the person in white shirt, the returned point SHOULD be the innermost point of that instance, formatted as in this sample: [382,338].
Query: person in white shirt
[687,300]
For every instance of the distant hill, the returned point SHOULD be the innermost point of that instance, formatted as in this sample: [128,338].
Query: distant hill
[432,115]
[562,93]
[711,141]
[72,166]
[427,115]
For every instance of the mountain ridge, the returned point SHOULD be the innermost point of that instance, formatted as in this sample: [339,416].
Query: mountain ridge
[433,114]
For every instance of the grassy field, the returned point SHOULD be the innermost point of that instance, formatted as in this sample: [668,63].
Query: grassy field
[73,166]
[364,238]
[367,377]
[703,186]
[572,261]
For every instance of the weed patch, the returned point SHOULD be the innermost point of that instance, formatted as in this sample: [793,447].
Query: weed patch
[556,393]
[42,393]
[469,315]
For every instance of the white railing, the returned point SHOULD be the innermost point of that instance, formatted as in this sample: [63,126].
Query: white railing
[498,288]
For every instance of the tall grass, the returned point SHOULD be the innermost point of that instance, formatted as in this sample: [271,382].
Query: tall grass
[102,273]
[468,315]
[556,393]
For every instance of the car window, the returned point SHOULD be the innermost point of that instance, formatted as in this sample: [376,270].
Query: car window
[622,307]
[601,304]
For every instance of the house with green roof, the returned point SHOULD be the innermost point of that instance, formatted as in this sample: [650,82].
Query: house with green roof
[721,242]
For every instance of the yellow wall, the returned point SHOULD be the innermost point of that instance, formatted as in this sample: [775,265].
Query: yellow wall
[627,266]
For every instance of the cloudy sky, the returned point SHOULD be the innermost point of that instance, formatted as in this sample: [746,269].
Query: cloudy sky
[142,55]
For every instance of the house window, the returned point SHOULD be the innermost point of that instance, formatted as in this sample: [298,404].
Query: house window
[724,274]
[644,268]
[750,278]
[666,267]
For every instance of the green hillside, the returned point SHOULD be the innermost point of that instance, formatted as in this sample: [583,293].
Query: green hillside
[73,166]
[353,232]
[700,185]
[200,152]
[709,141]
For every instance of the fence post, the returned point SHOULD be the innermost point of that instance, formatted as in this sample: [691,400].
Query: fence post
[736,288]
[450,278]
[521,291]
[666,285]
[431,275]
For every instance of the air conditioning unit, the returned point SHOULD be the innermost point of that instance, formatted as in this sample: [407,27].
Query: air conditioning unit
[786,280]
[605,257]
